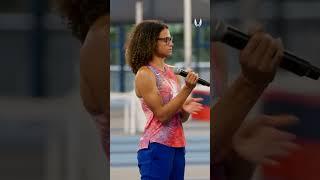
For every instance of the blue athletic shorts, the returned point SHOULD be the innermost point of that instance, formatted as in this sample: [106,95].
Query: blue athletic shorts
[161,162]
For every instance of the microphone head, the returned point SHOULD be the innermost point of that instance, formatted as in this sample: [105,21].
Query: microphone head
[180,72]
[218,29]
[176,70]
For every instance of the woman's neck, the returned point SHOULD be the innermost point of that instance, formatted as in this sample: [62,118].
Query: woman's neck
[158,62]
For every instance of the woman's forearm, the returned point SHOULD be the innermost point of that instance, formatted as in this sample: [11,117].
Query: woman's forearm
[168,110]
[230,111]
[185,116]
[237,168]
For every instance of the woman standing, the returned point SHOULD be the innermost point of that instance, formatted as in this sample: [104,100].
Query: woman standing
[161,153]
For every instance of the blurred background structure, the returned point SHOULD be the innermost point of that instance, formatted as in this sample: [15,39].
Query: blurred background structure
[45,133]
[127,121]
[297,23]
[171,12]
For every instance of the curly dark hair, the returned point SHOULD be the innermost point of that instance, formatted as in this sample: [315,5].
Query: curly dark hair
[81,14]
[142,43]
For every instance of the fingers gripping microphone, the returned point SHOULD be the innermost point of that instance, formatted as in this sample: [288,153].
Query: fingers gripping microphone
[184,73]
[236,39]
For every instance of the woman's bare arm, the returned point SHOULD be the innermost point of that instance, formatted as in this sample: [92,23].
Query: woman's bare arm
[145,84]
[259,62]
[94,72]
[94,79]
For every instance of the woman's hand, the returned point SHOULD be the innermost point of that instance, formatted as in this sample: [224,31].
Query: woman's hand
[191,79]
[192,105]
[260,58]
[260,142]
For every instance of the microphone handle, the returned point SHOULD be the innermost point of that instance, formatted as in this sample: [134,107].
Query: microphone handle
[200,81]
[290,62]
[203,82]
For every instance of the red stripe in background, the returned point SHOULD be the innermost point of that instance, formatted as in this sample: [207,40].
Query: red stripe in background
[204,115]
[300,165]
[294,98]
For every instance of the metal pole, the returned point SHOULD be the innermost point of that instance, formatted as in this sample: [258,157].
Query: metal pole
[198,48]
[38,47]
[139,11]
[280,22]
[122,58]
[187,33]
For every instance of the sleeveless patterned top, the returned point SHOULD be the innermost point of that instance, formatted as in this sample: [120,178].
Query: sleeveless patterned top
[171,133]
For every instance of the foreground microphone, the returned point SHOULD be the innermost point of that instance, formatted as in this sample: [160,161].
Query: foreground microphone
[236,39]
[184,73]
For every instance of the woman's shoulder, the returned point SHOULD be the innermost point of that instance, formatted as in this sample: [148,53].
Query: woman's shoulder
[94,76]
[96,41]
[95,47]
[95,38]
[145,74]
[144,70]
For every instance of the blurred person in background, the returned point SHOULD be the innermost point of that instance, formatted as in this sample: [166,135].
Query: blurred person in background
[89,22]
[166,105]
[239,145]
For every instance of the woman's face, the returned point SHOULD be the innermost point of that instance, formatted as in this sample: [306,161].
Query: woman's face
[164,44]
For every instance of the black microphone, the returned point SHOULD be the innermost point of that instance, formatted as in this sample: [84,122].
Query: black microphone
[184,73]
[236,39]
